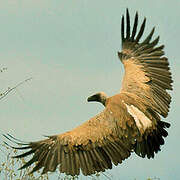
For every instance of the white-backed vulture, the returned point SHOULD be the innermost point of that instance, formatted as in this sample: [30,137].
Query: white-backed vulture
[129,123]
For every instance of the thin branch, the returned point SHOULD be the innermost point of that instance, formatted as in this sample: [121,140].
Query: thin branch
[13,88]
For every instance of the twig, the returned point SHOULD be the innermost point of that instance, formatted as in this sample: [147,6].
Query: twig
[13,88]
[105,174]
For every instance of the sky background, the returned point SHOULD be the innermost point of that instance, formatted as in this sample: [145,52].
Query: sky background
[69,48]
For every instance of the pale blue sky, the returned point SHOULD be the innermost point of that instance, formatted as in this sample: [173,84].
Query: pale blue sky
[70,47]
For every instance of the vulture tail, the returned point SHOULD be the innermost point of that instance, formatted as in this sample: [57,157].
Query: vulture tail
[151,143]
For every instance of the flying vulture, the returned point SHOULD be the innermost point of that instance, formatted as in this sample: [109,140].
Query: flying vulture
[130,122]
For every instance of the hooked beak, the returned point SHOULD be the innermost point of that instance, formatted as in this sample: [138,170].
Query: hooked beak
[92,98]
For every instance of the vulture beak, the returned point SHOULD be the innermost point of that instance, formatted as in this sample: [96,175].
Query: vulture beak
[98,97]
[93,98]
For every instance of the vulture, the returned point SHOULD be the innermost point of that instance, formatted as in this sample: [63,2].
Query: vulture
[130,122]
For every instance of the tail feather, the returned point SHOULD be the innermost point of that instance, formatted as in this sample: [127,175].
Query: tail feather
[151,143]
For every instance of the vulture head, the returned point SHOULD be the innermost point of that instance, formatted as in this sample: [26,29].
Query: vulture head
[99,97]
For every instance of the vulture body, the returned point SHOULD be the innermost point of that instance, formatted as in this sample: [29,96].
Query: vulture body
[129,123]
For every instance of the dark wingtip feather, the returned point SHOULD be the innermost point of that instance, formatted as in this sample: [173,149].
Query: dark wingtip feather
[14,140]
[31,161]
[141,31]
[151,144]
[135,26]
[122,28]
[13,147]
[149,36]
[128,25]
[164,124]
[24,154]
[154,43]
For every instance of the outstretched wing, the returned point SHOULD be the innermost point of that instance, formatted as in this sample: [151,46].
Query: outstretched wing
[147,72]
[91,147]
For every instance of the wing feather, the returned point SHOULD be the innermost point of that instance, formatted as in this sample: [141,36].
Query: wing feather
[111,155]
[116,155]
[96,163]
[89,169]
[135,26]
[40,163]
[90,162]
[141,31]
[46,162]
[76,163]
[146,41]
[122,28]
[53,159]
[63,161]
[68,168]
[128,25]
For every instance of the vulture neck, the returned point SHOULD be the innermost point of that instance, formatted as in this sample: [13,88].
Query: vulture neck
[98,97]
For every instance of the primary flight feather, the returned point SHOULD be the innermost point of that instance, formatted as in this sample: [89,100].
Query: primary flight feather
[129,123]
